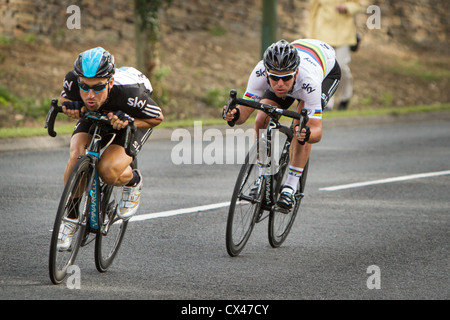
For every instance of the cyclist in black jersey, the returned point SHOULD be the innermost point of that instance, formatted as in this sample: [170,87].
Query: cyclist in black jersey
[125,95]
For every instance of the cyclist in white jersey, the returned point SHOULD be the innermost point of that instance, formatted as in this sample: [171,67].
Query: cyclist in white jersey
[305,70]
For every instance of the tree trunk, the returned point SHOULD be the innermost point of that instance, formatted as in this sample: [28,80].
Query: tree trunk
[146,40]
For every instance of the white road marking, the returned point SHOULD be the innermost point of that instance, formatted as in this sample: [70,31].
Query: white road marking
[219,205]
[388,180]
[170,213]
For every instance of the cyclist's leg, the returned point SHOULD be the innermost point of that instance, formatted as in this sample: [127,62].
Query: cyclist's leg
[77,149]
[298,158]
[115,163]
[78,142]
[114,166]
[115,169]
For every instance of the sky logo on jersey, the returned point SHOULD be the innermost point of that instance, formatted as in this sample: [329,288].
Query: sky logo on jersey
[261,73]
[308,88]
[68,84]
[135,102]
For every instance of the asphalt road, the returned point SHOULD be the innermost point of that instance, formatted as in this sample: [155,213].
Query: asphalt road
[378,241]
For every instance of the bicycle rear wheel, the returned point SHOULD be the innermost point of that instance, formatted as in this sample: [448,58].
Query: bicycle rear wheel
[110,236]
[74,201]
[280,223]
[245,205]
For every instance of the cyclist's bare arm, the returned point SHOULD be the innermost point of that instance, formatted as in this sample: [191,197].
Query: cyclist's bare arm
[140,123]
[315,125]
[148,123]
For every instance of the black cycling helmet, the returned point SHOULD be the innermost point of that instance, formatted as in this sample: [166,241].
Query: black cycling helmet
[95,63]
[281,56]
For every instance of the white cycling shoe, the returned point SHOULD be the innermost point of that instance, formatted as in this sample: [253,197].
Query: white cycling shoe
[131,197]
[65,235]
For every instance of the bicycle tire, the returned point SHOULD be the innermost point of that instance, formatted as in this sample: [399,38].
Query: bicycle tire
[242,213]
[280,224]
[106,251]
[110,236]
[61,260]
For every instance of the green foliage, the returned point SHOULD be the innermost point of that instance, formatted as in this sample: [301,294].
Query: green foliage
[148,10]
[417,69]
[217,31]
[15,111]
[216,97]
[160,90]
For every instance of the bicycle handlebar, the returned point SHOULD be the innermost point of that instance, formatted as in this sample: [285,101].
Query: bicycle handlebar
[90,115]
[51,117]
[272,111]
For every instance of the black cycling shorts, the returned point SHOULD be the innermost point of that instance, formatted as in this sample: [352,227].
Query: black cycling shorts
[140,136]
[329,86]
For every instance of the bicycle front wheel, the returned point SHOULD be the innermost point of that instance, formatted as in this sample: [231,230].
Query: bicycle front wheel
[71,210]
[245,205]
[280,223]
[110,236]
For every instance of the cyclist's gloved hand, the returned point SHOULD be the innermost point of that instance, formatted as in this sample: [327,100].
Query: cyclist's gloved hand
[231,116]
[123,116]
[118,119]
[307,135]
[73,105]
[72,108]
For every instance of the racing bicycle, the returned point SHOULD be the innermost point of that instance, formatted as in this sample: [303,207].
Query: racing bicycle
[260,180]
[94,202]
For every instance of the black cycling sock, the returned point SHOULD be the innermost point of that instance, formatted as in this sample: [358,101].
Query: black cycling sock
[135,180]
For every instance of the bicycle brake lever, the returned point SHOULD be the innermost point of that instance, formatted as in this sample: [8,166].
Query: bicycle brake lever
[230,106]
[303,120]
[130,130]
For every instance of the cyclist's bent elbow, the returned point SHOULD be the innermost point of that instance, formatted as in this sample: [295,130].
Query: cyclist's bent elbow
[315,126]
[148,123]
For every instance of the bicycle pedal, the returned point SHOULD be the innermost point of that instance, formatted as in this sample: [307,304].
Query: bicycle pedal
[299,196]
[282,210]
[67,250]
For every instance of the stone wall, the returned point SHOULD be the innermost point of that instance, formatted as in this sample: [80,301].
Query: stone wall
[112,18]
[423,22]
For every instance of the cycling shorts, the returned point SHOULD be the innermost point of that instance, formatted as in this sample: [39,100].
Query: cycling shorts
[140,137]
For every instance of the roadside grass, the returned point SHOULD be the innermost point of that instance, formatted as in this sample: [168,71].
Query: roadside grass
[66,128]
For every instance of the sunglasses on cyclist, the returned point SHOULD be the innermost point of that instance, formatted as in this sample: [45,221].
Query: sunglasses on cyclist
[277,77]
[96,88]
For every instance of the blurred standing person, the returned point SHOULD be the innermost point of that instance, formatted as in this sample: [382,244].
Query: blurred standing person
[333,21]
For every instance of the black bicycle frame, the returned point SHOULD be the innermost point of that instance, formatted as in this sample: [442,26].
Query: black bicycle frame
[270,177]
[274,113]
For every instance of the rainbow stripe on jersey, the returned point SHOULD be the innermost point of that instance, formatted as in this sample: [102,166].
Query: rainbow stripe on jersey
[249,96]
[317,114]
[313,51]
